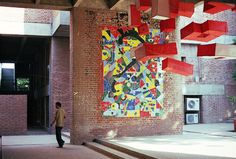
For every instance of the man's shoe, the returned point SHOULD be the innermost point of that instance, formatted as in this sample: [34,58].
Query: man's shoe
[60,147]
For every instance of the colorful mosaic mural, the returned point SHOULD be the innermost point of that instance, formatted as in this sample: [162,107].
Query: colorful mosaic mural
[131,88]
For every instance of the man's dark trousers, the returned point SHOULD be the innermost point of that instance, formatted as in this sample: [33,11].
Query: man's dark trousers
[58,136]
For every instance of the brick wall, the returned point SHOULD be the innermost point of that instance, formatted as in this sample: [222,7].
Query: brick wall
[60,89]
[217,108]
[13,114]
[88,122]
[38,16]
[210,71]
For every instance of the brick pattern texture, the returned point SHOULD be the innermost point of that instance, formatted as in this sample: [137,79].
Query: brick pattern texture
[60,78]
[13,114]
[88,122]
[215,108]
[211,71]
[38,16]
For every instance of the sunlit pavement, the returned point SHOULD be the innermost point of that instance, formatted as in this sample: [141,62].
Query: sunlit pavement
[44,147]
[197,141]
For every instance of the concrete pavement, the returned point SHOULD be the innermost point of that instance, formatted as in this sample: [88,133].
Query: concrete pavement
[49,152]
[201,141]
[44,147]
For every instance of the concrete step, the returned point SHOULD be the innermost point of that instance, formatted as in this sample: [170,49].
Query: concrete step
[229,120]
[114,154]
[124,150]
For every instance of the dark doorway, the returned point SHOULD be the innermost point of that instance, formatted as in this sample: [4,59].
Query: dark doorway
[30,75]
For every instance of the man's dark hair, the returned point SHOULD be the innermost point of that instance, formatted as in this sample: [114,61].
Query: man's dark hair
[58,104]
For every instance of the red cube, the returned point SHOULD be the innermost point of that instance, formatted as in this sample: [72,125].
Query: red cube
[206,50]
[134,16]
[215,7]
[216,28]
[178,67]
[191,31]
[186,9]
[143,5]
[167,25]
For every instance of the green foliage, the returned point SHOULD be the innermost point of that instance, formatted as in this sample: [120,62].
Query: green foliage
[234,40]
[232,99]
[234,73]
[23,84]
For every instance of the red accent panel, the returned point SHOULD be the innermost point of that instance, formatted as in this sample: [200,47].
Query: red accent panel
[174,8]
[135,16]
[191,31]
[143,5]
[206,50]
[167,25]
[178,67]
[186,9]
[234,8]
[215,7]
[205,32]
[149,51]
[160,8]
[158,50]
[216,28]
[143,29]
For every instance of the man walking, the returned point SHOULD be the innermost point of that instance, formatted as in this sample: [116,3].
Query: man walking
[59,120]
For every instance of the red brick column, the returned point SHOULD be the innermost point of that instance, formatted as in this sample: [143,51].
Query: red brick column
[60,86]
[87,120]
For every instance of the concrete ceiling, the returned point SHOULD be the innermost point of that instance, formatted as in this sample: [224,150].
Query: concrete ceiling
[68,4]
[58,4]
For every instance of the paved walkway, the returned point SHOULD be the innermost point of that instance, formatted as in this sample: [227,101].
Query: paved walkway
[44,147]
[201,141]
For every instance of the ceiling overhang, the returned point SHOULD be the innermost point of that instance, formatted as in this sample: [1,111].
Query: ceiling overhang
[69,4]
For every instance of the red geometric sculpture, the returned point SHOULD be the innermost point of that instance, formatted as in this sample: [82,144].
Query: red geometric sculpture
[164,9]
[149,51]
[134,16]
[161,9]
[215,7]
[216,28]
[206,50]
[167,25]
[191,31]
[234,8]
[160,49]
[143,29]
[174,8]
[186,9]
[178,67]
[143,5]
[205,32]
[217,50]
